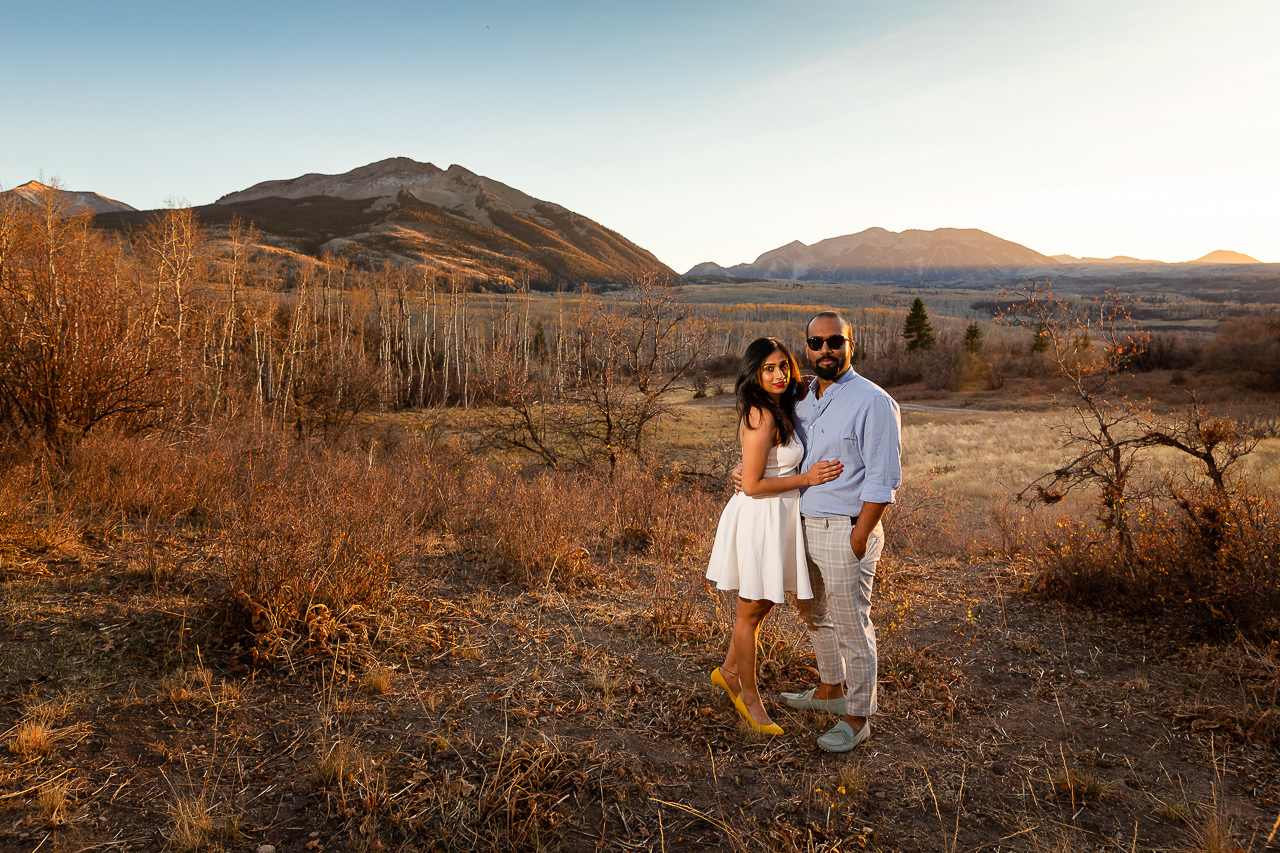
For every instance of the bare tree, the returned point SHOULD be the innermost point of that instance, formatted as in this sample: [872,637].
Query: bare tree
[1088,343]
[616,364]
[73,342]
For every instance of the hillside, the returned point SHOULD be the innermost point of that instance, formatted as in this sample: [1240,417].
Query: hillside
[34,192]
[1223,256]
[450,220]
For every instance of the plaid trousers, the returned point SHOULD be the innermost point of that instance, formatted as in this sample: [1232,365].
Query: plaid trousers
[844,640]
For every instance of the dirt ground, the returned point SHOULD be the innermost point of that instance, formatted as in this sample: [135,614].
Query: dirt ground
[485,716]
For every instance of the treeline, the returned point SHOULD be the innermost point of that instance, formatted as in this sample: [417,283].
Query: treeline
[964,357]
[1244,343]
[165,327]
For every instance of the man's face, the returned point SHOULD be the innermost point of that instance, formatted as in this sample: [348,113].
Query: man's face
[828,361]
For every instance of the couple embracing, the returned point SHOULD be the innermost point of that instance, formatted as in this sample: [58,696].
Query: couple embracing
[820,463]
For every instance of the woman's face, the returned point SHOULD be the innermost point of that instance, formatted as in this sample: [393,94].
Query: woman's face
[775,374]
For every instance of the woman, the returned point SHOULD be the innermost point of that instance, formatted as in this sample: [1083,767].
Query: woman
[759,546]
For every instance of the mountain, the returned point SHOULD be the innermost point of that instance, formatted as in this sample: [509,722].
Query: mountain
[1115,259]
[452,221]
[1222,256]
[876,254]
[34,192]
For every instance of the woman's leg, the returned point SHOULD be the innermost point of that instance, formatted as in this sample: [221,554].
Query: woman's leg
[741,659]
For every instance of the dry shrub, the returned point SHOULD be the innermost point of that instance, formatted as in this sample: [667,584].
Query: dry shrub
[1018,529]
[312,547]
[551,527]
[1250,345]
[676,603]
[13,505]
[1210,562]
[535,530]
[927,521]
[159,476]
[655,510]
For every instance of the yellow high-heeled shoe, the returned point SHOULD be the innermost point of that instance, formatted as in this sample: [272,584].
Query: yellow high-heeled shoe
[770,729]
[718,680]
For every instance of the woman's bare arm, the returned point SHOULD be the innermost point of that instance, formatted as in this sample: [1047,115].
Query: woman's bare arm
[758,436]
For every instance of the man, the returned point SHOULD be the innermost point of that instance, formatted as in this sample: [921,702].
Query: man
[845,417]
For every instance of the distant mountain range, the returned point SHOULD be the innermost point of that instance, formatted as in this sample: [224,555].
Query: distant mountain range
[880,255]
[1219,256]
[450,220]
[945,254]
[460,223]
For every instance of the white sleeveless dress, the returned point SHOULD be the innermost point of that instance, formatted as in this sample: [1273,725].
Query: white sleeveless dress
[759,547]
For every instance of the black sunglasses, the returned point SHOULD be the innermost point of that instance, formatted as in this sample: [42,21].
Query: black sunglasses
[833,342]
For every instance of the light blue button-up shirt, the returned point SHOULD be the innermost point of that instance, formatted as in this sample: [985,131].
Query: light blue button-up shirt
[858,423]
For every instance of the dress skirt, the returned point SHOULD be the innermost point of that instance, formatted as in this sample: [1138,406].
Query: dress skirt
[759,548]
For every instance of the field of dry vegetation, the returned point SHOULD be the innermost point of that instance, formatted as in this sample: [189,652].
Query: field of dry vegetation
[330,559]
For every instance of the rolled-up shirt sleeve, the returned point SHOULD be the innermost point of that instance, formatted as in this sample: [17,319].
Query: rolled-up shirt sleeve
[881,441]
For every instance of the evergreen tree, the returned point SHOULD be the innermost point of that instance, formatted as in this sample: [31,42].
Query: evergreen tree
[1040,342]
[917,331]
[973,338]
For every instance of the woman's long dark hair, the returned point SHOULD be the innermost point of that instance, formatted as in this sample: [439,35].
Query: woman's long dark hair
[751,395]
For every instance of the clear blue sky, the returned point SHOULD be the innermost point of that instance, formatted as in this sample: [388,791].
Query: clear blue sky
[700,129]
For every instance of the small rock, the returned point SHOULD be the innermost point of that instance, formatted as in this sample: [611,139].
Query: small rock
[266,848]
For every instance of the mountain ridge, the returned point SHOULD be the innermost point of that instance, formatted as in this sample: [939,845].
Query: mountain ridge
[450,221]
[879,254]
[76,201]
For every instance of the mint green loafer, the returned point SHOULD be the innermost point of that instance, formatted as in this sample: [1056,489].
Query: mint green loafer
[805,702]
[842,738]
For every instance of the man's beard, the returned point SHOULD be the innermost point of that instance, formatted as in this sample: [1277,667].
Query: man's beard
[828,370]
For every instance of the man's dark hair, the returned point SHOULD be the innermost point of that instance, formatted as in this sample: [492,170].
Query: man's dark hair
[828,315]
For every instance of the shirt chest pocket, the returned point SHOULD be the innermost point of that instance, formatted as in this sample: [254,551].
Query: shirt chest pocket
[851,450]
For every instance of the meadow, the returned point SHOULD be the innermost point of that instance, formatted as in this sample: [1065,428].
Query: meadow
[345,578]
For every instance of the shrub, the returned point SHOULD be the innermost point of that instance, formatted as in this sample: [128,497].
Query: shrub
[1213,564]
[723,366]
[1165,351]
[551,527]
[77,349]
[1250,345]
[313,543]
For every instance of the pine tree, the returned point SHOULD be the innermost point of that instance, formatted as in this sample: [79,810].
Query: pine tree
[917,331]
[1040,341]
[973,338]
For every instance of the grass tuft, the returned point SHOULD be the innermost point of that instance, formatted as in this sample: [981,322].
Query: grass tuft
[193,825]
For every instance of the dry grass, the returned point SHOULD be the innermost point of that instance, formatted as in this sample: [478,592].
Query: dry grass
[568,709]
[37,734]
[54,803]
[377,680]
[198,688]
[340,763]
[195,825]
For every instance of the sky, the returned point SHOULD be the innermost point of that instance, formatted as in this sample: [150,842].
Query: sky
[702,130]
